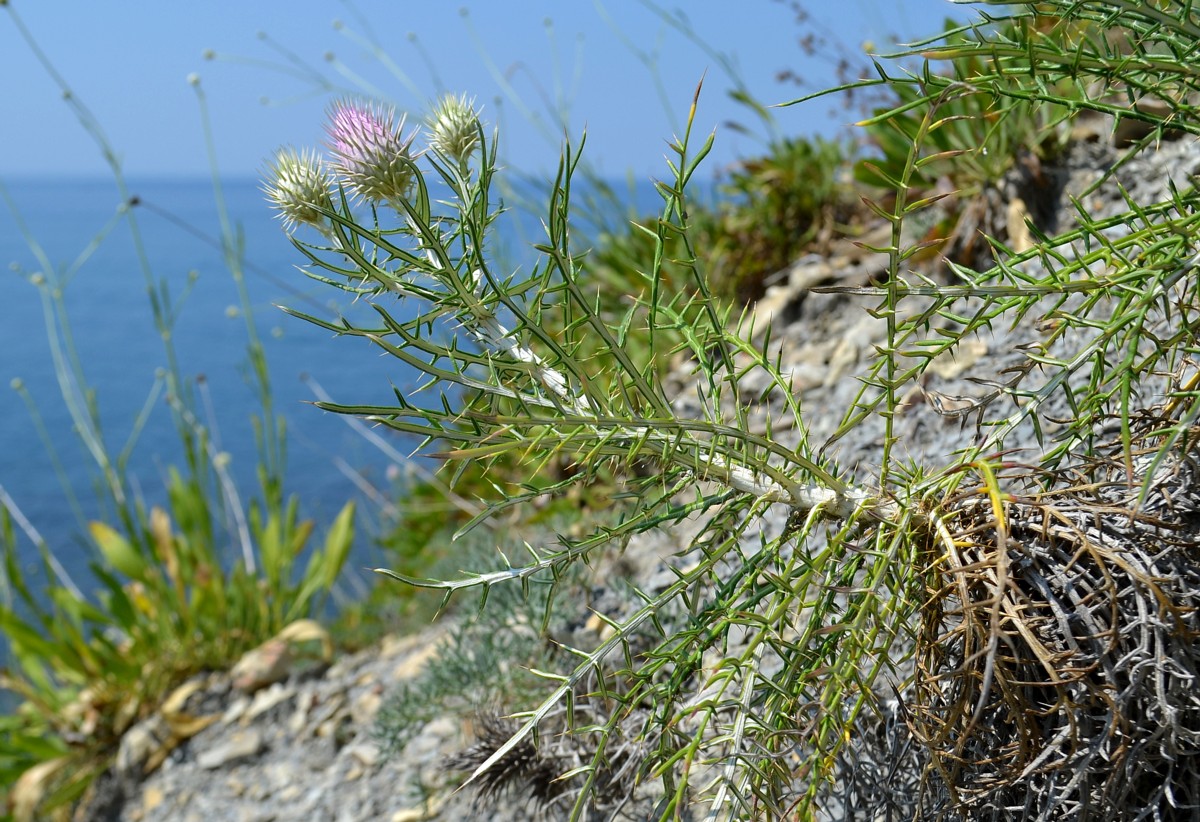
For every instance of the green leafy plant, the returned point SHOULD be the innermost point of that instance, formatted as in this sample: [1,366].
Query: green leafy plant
[1032,619]
[87,668]
[981,134]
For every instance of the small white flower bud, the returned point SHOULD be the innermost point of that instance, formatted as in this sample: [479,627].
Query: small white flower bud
[298,185]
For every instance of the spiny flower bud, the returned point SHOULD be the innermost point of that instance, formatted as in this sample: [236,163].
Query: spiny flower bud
[297,185]
[454,127]
[369,151]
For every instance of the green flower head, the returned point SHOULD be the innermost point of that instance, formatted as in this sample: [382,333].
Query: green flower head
[370,154]
[454,127]
[298,184]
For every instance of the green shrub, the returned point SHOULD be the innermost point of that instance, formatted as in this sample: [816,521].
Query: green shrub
[776,207]
[87,668]
[772,209]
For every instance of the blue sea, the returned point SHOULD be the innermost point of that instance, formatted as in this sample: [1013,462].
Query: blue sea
[75,225]
[120,351]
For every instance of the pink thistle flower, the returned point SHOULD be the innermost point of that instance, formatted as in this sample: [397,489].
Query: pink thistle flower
[369,151]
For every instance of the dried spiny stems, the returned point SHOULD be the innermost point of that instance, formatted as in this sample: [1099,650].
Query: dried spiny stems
[531,772]
[1060,665]
[521,773]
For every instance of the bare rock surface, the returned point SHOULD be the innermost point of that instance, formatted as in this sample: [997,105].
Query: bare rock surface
[303,746]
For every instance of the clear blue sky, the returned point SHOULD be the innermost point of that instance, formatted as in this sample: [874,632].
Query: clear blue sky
[129,62]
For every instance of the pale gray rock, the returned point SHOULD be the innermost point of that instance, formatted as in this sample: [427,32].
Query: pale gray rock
[241,745]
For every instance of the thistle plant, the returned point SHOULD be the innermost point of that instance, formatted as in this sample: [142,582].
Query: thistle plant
[512,387]
[1005,607]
